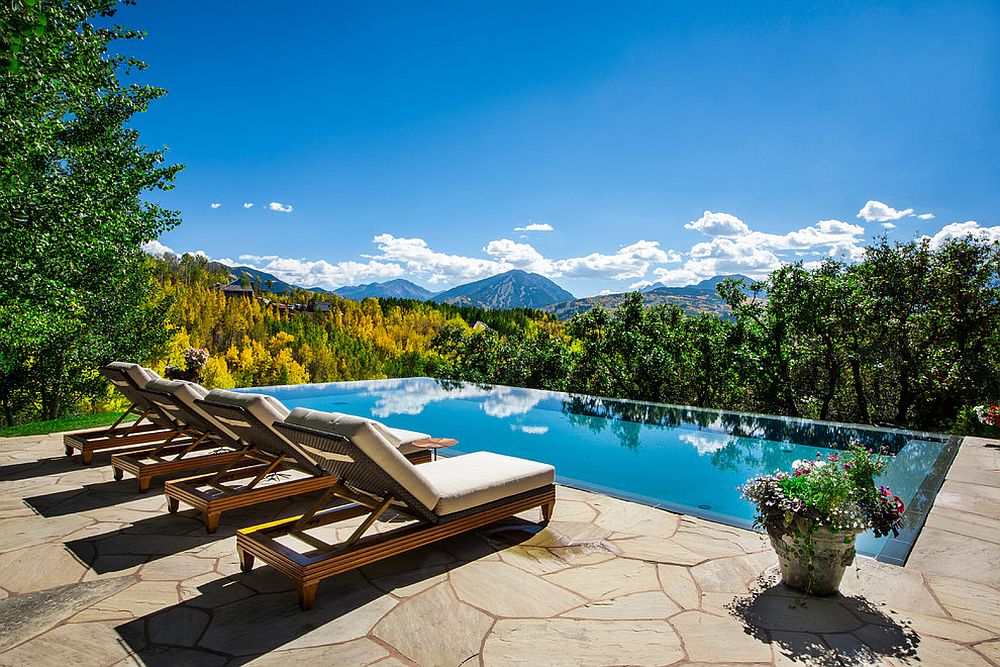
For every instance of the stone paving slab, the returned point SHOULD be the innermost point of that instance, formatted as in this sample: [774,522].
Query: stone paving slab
[93,573]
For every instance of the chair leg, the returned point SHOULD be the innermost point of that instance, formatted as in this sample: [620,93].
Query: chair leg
[307,595]
[211,520]
[547,510]
[144,483]
[87,456]
[246,560]
[69,450]
[173,504]
[119,474]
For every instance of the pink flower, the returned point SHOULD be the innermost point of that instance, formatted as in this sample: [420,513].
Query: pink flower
[832,457]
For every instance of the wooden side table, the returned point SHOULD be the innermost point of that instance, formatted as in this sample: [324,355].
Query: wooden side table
[434,444]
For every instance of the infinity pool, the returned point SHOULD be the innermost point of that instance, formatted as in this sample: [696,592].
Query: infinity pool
[683,459]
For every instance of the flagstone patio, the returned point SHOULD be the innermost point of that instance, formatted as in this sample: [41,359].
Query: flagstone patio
[93,573]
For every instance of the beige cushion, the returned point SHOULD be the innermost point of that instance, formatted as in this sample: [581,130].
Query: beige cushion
[266,408]
[186,392]
[375,441]
[463,482]
[140,375]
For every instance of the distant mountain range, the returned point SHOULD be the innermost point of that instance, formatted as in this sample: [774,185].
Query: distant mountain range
[391,289]
[514,289]
[694,299]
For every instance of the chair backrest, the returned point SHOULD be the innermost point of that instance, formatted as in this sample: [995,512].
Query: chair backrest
[252,418]
[176,400]
[129,379]
[359,454]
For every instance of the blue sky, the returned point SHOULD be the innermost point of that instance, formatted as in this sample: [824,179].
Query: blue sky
[439,142]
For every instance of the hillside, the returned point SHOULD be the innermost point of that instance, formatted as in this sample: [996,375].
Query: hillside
[694,299]
[514,289]
[391,289]
[278,286]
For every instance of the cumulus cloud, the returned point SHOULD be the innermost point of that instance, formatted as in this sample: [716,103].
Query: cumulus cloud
[280,208]
[248,204]
[156,248]
[535,227]
[876,211]
[889,225]
[215,204]
[631,261]
[961,229]
[417,257]
[718,224]
[640,285]
[735,248]
[926,216]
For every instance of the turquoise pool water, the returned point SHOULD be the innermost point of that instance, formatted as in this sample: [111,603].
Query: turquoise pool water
[683,459]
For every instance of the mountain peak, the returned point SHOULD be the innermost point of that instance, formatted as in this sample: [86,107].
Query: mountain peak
[513,289]
[397,288]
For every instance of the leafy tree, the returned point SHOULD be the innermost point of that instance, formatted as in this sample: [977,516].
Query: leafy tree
[77,289]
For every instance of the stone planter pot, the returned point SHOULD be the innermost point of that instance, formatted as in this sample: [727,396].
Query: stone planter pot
[832,553]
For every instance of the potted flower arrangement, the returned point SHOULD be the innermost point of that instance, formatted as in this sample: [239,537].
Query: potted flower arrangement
[194,360]
[988,415]
[814,514]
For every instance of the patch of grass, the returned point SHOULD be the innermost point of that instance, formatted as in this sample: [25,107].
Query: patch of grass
[64,424]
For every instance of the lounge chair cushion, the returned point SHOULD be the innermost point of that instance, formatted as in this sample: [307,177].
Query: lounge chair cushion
[266,408]
[464,482]
[186,392]
[398,437]
[377,443]
[140,375]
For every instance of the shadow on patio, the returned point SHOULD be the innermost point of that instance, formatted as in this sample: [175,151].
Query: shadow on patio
[822,631]
[240,617]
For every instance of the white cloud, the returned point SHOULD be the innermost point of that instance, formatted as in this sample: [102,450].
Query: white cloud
[705,443]
[926,216]
[215,204]
[722,256]
[876,211]
[961,229]
[417,257]
[640,285]
[321,273]
[248,204]
[156,248]
[889,225]
[535,227]
[677,277]
[631,261]
[718,224]
[280,208]
[735,248]
[531,430]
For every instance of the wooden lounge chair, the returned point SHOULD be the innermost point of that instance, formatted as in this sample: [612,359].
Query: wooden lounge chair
[251,418]
[148,430]
[444,497]
[212,444]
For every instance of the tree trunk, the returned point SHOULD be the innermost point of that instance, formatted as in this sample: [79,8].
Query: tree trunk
[864,416]
[832,379]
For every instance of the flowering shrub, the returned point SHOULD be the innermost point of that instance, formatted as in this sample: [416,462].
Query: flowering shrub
[988,414]
[195,358]
[837,493]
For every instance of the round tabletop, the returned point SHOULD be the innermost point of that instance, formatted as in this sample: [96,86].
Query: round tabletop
[434,443]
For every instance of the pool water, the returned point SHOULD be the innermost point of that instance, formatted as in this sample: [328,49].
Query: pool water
[683,459]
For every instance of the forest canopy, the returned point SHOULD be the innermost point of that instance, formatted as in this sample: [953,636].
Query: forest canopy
[906,336]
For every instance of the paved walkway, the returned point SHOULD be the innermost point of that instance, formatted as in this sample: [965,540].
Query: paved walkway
[93,573]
